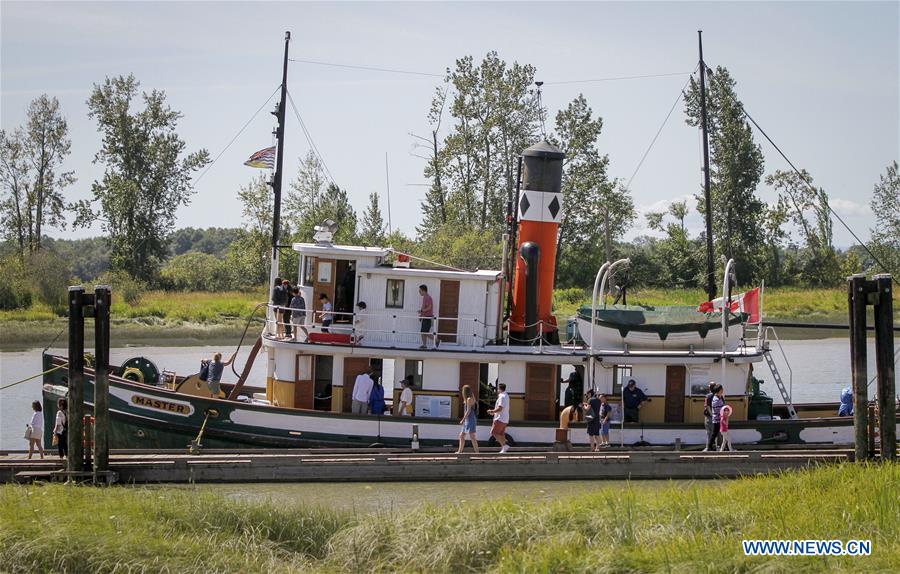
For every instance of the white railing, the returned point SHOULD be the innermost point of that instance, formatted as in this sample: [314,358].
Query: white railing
[385,329]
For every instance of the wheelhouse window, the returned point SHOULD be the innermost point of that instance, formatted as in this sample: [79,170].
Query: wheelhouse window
[621,374]
[394,293]
[307,271]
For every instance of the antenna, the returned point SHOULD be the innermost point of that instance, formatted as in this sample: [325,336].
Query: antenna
[541,110]
[387,181]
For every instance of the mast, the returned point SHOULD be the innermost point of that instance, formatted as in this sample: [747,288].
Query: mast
[710,269]
[279,162]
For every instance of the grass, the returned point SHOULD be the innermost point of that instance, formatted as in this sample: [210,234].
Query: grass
[807,304]
[696,527]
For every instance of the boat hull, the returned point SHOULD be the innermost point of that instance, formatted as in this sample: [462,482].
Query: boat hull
[610,337]
[146,417]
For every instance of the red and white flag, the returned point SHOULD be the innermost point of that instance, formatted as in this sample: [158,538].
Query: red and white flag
[744,303]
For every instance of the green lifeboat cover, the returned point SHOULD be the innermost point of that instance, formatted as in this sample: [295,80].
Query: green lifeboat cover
[660,320]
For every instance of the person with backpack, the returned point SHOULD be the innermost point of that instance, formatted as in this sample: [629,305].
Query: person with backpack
[61,428]
[376,397]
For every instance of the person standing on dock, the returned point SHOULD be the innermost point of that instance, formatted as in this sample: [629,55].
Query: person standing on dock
[34,431]
[61,427]
[707,410]
[723,428]
[501,418]
[406,397]
[592,408]
[633,398]
[469,420]
[362,390]
[718,401]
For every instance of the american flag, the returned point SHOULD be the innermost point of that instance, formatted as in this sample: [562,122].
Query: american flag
[264,158]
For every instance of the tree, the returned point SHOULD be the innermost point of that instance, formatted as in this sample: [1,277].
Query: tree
[736,166]
[372,232]
[249,255]
[590,202]
[885,204]
[495,115]
[807,208]
[146,178]
[434,208]
[311,200]
[30,160]
[679,210]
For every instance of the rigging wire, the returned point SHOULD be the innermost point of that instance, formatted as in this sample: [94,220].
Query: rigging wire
[369,68]
[659,131]
[616,78]
[309,139]
[805,180]
[237,135]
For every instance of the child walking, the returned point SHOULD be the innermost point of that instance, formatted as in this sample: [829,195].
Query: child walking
[723,428]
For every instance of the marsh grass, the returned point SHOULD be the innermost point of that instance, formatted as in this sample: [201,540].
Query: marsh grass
[684,527]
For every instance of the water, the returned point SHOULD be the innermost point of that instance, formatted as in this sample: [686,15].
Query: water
[821,368]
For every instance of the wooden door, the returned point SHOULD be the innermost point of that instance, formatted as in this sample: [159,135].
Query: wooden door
[675,380]
[323,282]
[540,392]
[448,310]
[468,375]
[353,366]
[304,386]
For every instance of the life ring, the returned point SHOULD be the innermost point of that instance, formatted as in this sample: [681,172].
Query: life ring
[133,374]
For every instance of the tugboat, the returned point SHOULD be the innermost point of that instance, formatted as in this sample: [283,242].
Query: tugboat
[486,327]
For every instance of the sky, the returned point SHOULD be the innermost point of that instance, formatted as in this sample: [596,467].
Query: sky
[820,78]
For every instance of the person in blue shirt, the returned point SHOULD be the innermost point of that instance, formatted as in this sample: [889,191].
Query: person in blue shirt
[846,408]
[376,398]
[633,397]
[214,377]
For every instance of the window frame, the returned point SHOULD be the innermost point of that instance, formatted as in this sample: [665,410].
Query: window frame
[387,294]
[619,377]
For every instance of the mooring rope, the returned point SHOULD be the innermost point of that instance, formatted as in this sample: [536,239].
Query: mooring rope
[35,376]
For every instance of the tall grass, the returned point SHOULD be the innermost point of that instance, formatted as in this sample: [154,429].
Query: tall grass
[693,527]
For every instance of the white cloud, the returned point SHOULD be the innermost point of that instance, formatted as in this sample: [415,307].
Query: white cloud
[847,207]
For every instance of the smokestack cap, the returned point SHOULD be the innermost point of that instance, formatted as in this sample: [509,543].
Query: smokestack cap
[544,150]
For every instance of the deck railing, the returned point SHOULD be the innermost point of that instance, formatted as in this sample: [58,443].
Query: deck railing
[385,329]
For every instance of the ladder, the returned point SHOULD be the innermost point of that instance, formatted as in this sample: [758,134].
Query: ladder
[779,382]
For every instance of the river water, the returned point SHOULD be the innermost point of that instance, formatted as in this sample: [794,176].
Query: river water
[821,368]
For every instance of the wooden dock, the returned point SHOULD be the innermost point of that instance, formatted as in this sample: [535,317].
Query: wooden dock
[384,465]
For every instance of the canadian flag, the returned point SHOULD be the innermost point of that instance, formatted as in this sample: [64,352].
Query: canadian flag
[744,303]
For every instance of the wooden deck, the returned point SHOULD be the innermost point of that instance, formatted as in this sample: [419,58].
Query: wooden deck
[371,465]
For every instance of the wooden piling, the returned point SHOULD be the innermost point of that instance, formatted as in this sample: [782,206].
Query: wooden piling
[102,301]
[856,295]
[75,412]
[884,361]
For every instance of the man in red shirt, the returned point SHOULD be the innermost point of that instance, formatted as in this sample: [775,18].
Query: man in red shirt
[426,315]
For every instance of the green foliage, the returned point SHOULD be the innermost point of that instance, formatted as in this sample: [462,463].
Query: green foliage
[147,176]
[372,232]
[885,204]
[31,198]
[311,200]
[41,276]
[736,166]
[635,527]
[466,248]
[124,287]
[194,271]
[15,292]
[212,241]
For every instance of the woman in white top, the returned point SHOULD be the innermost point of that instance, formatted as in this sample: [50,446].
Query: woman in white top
[61,428]
[406,397]
[34,432]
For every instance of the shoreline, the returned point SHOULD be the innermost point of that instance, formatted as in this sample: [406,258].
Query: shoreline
[154,331]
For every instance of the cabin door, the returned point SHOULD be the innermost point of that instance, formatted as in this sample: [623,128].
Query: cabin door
[448,311]
[353,366]
[468,375]
[323,282]
[675,379]
[540,392]
[304,381]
